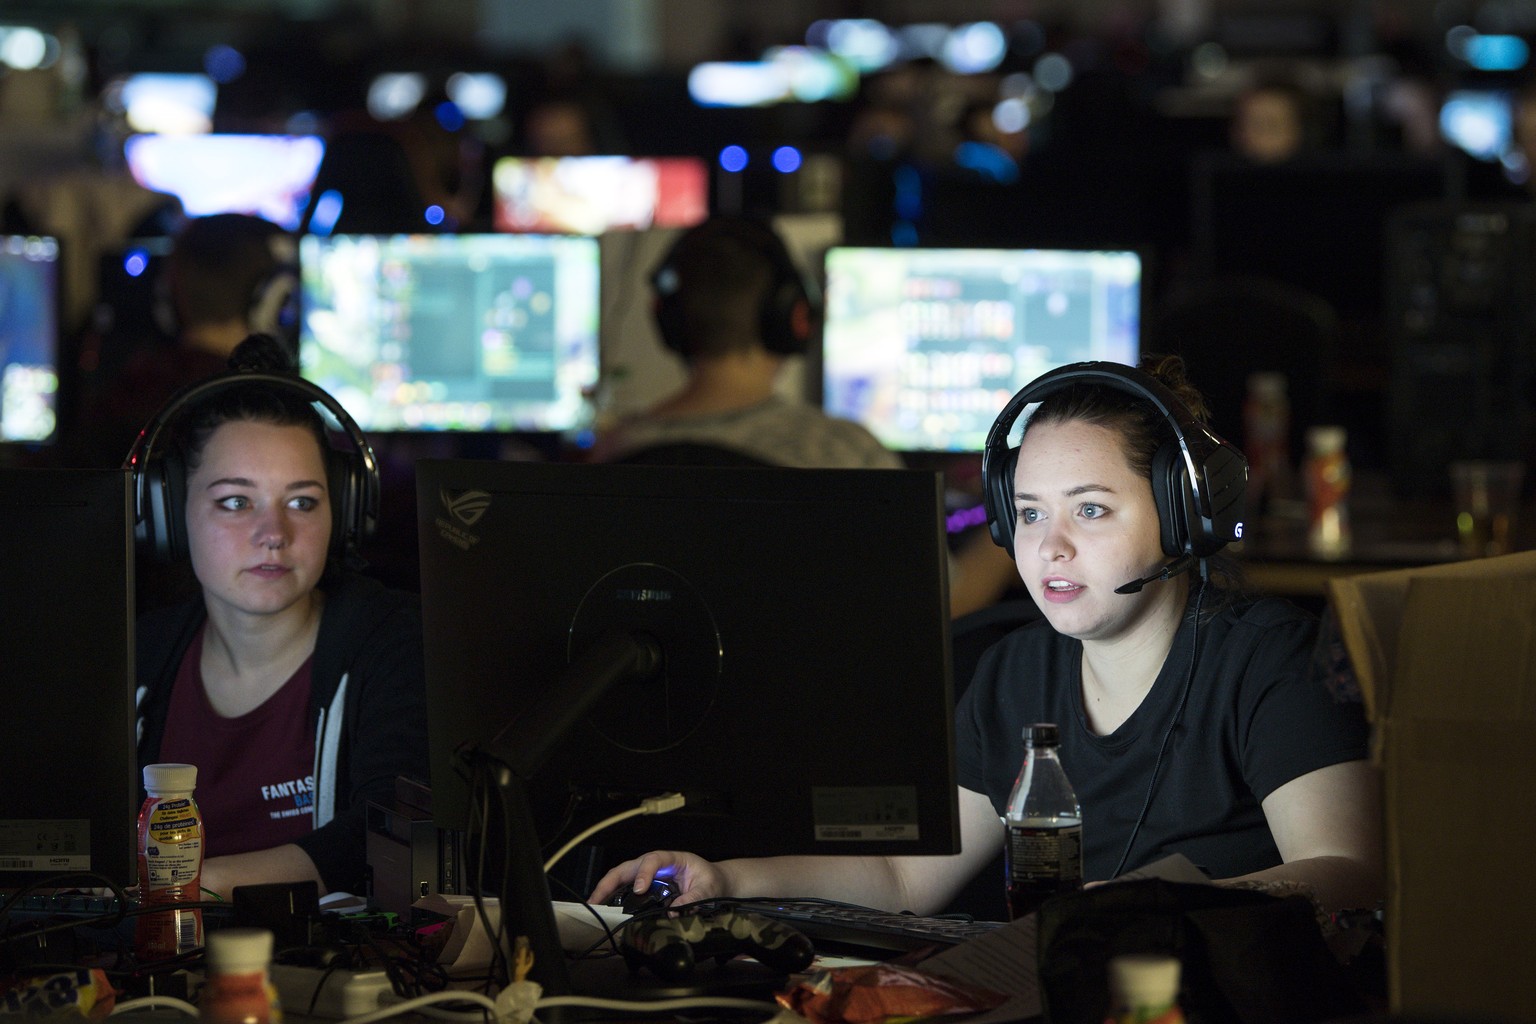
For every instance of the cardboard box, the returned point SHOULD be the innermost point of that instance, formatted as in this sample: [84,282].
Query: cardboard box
[1447,659]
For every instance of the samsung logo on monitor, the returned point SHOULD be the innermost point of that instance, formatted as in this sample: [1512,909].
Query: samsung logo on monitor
[642,595]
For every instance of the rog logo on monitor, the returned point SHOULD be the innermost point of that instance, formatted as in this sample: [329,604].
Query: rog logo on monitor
[468,507]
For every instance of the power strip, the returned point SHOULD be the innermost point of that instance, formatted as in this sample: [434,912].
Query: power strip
[315,992]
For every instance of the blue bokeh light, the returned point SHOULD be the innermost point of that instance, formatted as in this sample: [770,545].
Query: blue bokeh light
[786,159]
[733,159]
[435,214]
[223,63]
[327,212]
[449,115]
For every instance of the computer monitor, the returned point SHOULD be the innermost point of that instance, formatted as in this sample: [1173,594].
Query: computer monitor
[923,346]
[177,103]
[473,332]
[1479,122]
[29,338]
[804,699]
[1317,222]
[267,176]
[67,672]
[592,194]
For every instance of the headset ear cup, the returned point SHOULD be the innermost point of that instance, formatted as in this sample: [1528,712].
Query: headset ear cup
[1174,499]
[997,496]
[272,307]
[347,530]
[787,315]
[664,306]
[162,529]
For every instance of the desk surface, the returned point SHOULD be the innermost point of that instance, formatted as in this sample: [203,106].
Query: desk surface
[1385,534]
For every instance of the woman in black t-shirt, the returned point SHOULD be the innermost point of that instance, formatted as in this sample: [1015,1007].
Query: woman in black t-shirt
[1191,720]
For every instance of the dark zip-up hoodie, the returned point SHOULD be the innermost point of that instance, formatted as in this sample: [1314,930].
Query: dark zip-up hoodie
[368,702]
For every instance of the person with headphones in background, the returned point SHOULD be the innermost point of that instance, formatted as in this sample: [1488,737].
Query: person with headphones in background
[1191,719]
[731,302]
[295,684]
[228,276]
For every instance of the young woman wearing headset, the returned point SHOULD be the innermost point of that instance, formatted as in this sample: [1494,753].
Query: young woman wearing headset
[294,684]
[1191,719]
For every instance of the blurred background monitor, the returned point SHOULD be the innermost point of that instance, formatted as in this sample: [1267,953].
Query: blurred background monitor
[592,194]
[1317,222]
[269,176]
[396,95]
[176,103]
[474,332]
[29,338]
[923,346]
[1480,122]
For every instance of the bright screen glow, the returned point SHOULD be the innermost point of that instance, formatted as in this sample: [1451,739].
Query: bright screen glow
[266,175]
[452,332]
[924,346]
[592,194]
[1478,121]
[174,103]
[29,338]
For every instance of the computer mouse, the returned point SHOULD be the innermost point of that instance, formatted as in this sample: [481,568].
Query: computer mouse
[658,896]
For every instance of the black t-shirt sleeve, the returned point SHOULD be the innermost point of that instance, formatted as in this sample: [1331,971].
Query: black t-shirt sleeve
[1295,721]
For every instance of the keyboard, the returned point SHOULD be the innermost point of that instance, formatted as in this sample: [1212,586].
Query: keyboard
[851,929]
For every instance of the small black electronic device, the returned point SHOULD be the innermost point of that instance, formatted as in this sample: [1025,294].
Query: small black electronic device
[670,946]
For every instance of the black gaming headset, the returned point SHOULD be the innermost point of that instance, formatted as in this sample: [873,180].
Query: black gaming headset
[1199,480]
[785,331]
[160,477]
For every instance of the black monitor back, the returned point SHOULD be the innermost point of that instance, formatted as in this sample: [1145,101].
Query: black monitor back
[1317,222]
[66,670]
[805,705]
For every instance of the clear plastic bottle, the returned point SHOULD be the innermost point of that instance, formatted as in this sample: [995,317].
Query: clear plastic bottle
[239,988]
[1144,989]
[1044,850]
[170,863]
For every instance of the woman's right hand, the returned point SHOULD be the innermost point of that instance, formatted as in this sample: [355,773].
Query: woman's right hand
[692,876]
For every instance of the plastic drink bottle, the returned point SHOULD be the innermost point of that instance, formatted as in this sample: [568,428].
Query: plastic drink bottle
[239,990]
[1144,990]
[1044,849]
[170,863]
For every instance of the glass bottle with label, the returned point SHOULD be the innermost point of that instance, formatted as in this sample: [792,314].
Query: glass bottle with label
[1044,850]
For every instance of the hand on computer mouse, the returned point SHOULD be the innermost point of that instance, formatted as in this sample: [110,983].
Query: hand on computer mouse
[657,897]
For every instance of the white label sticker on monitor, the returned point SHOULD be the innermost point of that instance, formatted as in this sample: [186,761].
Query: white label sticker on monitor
[865,813]
[45,844]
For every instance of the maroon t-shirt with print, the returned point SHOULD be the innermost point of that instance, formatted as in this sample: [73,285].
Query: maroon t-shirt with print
[255,772]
